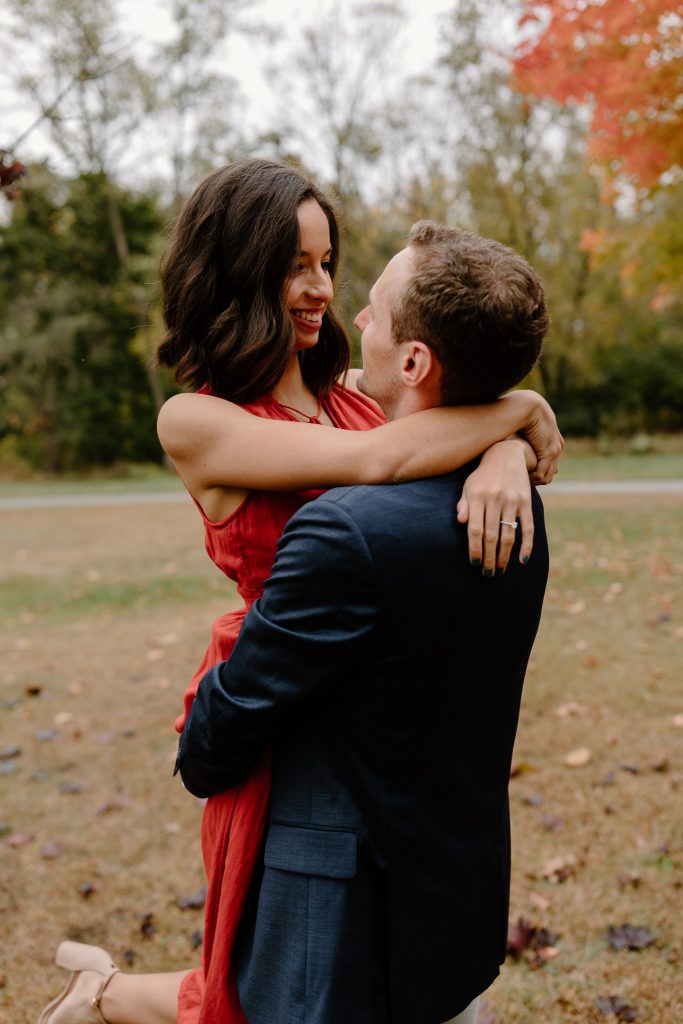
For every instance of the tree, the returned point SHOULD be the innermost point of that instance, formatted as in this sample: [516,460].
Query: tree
[196,106]
[521,179]
[623,57]
[332,80]
[91,94]
[74,385]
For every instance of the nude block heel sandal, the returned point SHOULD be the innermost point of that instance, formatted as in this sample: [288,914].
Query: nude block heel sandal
[80,1004]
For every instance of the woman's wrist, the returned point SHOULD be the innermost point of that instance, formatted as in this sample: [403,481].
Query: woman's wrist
[511,445]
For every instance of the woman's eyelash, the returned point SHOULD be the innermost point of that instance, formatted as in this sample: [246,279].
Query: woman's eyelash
[325,264]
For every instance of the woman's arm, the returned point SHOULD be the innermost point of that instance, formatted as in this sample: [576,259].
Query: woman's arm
[216,444]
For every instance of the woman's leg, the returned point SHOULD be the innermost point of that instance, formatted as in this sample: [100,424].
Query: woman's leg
[137,998]
[468,1015]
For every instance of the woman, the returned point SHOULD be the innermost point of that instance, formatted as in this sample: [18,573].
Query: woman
[247,292]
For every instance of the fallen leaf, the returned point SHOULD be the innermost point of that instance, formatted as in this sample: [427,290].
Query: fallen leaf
[111,806]
[535,800]
[196,939]
[520,936]
[20,839]
[71,788]
[578,758]
[88,889]
[538,901]
[167,639]
[129,957]
[10,751]
[147,926]
[33,690]
[551,822]
[629,936]
[46,735]
[545,953]
[571,709]
[193,901]
[677,720]
[8,767]
[617,1006]
[576,608]
[631,881]
[63,718]
[633,769]
[523,936]
[51,849]
[558,869]
[521,768]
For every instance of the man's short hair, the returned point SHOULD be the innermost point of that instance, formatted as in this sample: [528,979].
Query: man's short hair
[478,305]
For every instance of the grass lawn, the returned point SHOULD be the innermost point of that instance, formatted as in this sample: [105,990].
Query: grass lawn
[583,459]
[657,458]
[105,614]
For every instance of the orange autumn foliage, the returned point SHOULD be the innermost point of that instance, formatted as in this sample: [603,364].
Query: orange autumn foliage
[625,58]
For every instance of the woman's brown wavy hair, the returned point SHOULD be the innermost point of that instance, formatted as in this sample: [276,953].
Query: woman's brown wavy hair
[223,278]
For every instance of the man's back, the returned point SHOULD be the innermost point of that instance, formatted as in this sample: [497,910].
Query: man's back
[384,894]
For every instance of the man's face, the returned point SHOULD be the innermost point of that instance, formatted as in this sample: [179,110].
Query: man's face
[380,378]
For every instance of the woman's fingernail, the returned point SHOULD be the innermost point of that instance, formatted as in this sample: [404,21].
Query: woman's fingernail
[475,561]
[488,572]
[525,559]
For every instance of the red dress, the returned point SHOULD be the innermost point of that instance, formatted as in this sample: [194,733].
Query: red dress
[243,547]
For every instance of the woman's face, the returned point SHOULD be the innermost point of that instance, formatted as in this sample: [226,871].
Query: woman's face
[309,290]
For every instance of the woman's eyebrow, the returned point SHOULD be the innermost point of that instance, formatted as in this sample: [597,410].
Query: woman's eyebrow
[305,252]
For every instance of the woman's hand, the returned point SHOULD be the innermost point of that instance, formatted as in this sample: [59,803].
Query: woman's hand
[495,495]
[541,431]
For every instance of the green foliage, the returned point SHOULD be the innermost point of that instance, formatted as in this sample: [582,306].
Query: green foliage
[75,390]
[79,255]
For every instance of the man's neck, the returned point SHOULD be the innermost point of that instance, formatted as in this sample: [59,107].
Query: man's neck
[412,400]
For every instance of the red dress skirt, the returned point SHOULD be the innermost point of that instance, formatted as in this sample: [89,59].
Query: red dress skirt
[243,547]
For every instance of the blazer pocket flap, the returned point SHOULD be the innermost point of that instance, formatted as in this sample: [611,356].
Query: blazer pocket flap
[311,851]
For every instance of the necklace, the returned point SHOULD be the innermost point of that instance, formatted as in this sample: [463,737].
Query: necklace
[304,415]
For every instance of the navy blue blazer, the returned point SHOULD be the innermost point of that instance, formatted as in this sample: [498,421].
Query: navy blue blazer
[386,674]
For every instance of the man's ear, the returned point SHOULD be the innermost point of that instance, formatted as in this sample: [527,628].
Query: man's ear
[419,366]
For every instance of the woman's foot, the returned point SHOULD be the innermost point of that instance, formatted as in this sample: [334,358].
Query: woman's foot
[79,1003]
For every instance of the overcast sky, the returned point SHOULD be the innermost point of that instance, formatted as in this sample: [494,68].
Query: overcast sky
[246,56]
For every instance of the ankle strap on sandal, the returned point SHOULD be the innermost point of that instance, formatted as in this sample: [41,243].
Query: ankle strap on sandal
[96,999]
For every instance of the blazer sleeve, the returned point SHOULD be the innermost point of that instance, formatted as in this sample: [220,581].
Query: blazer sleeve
[313,624]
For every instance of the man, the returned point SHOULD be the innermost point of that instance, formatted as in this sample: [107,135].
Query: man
[386,673]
